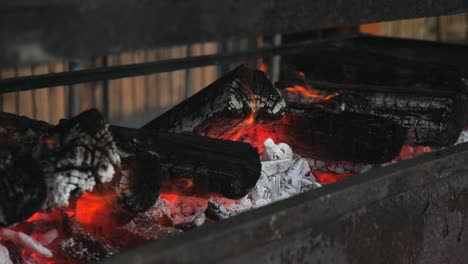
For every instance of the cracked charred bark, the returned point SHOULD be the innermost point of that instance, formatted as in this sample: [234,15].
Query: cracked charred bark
[43,166]
[433,118]
[215,166]
[323,134]
[217,109]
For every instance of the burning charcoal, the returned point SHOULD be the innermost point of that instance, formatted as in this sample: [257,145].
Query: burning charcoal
[226,107]
[79,245]
[78,153]
[145,228]
[433,114]
[143,181]
[20,130]
[216,211]
[211,165]
[339,166]
[318,133]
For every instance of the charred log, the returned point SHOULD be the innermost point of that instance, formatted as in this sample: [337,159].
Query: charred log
[217,110]
[44,166]
[142,181]
[22,188]
[77,154]
[434,115]
[214,166]
[322,134]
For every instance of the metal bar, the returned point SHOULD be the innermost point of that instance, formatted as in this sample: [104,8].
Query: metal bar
[73,91]
[402,202]
[105,91]
[116,72]
[80,29]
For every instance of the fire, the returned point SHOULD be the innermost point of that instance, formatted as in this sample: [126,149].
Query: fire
[263,68]
[94,210]
[330,177]
[309,92]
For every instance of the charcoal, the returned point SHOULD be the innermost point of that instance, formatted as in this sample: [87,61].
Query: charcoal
[431,120]
[144,180]
[40,161]
[234,102]
[433,114]
[216,211]
[22,188]
[78,245]
[218,166]
[318,133]
[78,153]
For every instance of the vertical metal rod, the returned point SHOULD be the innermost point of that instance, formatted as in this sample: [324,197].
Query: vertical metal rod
[74,91]
[105,91]
[17,94]
[189,75]
[438,29]
[33,94]
[276,61]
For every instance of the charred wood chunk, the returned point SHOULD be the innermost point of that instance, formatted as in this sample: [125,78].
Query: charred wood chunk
[434,115]
[77,154]
[22,188]
[322,134]
[213,166]
[21,132]
[142,183]
[233,102]
[431,120]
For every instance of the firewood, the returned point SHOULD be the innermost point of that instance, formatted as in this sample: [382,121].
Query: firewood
[43,170]
[315,132]
[215,166]
[433,117]
[239,99]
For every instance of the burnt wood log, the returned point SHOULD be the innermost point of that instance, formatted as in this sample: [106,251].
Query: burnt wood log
[232,103]
[218,166]
[22,187]
[143,182]
[43,166]
[433,117]
[318,133]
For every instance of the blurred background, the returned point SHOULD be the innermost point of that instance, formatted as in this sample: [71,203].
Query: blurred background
[133,101]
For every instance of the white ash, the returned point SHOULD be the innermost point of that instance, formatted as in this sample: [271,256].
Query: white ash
[4,255]
[463,137]
[272,151]
[182,211]
[217,211]
[90,160]
[339,166]
[199,219]
[25,241]
[283,175]
[144,226]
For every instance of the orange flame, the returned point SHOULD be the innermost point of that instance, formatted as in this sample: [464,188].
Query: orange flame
[263,68]
[310,92]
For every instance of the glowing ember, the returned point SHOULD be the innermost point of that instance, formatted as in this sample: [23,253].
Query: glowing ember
[329,177]
[309,92]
